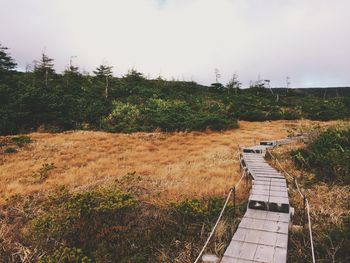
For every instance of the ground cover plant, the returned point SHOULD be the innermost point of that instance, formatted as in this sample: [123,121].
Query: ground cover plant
[328,155]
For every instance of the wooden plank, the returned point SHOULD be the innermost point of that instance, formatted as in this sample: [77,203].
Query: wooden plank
[264,253]
[262,236]
[268,238]
[280,255]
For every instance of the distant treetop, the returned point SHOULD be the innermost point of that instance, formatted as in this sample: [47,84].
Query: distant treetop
[7,63]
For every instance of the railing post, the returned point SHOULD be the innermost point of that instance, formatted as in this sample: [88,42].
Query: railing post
[234,201]
[246,178]
[304,216]
[210,258]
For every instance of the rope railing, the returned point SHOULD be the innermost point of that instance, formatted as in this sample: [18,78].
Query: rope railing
[233,189]
[306,203]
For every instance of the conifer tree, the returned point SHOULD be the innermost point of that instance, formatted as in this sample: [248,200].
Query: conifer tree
[104,72]
[45,68]
[7,63]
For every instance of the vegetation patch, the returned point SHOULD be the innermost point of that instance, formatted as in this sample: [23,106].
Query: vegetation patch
[10,150]
[106,223]
[45,100]
[320,169]
[43,173]
[21,140]
[328,155]
[13,144]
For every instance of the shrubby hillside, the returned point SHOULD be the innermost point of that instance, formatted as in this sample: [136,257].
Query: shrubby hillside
[42,98]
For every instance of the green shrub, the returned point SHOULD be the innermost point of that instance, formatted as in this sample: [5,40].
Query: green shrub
[213,122]
[43,173]
[124,117]
[167,115]
[10,150]
[65,255]
[325,110]
[253,115]
[82,220]
[328,155]
[106,224]
[21,140]
[198,210]
[332,242]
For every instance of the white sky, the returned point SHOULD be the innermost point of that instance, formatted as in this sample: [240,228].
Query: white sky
[308,40]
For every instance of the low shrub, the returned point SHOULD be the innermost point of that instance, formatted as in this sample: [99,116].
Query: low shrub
[124,117]
[84,221]
[336,242]
[106,224]
[10,150]
[213,122]
[253,115]
[65,255]
[21,140]
[167,115]
[43,173]
[328,155]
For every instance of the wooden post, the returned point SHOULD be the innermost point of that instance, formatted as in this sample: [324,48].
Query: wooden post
[246,179]
[304,216]
[210,258]
[234,201]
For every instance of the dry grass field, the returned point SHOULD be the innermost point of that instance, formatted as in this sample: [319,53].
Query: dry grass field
[173,166]
[178,180]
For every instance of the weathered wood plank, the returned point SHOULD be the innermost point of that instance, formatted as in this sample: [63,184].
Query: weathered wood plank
[262,236]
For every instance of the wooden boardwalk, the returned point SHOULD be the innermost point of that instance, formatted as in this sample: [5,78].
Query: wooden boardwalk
[262,235]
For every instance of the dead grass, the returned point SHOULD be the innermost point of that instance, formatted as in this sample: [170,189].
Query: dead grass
[169,167]
[174,166]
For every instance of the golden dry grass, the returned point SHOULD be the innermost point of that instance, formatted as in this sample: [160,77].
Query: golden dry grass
[173,166]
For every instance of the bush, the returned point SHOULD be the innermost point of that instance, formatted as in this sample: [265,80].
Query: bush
[213,122]
[101,225]
[198,210]
[43,173]
[21,140]
[167,115]
[10,150]
[82,220]
[124,117]
[328,155]
[253,115]
[65,255]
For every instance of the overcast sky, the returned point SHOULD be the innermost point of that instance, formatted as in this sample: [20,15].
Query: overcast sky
[308,40]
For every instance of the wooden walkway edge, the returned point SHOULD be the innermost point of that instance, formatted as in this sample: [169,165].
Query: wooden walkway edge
[262,235]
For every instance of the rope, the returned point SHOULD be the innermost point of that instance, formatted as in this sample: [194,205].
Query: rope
[219,218]
[216,224]
[289,175]
[228,198]
[310,231]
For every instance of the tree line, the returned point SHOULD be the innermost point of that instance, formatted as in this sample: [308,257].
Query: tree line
[43,99]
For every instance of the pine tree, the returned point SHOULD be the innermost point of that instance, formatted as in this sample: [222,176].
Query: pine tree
[134,75]
[104,72]
[7,63]
[45,68]
[72,77]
